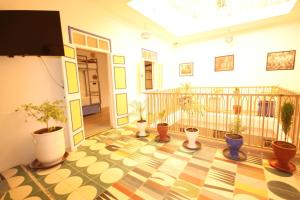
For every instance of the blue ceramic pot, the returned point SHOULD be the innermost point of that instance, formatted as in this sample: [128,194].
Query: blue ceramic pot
[234,142]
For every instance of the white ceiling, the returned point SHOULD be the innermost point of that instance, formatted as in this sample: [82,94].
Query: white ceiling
[187,17]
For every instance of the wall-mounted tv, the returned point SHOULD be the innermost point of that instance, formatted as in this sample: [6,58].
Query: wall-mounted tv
[30,32]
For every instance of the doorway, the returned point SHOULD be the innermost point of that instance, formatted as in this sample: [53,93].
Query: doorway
[94,89]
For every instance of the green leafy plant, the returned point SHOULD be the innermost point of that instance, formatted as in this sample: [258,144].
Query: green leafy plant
[236,126]
[186,87]
[139,109]
[45,112]
[236,91]
[237,94]
[287,112]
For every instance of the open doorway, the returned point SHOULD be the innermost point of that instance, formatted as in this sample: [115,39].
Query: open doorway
[94,88]
[148,75]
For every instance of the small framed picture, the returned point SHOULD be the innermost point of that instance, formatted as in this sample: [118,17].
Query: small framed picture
[224,63]
[186,69]
[282,60]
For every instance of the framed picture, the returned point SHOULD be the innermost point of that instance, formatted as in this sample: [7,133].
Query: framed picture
[224,63]
[186,69]
[282,60]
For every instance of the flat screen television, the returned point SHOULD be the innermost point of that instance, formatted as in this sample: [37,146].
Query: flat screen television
[30,32]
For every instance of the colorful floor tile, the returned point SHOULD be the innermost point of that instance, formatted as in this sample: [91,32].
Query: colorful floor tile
[117,165]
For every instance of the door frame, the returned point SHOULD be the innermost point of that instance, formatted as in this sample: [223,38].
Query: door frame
[111,100]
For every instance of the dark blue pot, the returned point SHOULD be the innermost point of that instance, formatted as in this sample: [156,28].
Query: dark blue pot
[234,142]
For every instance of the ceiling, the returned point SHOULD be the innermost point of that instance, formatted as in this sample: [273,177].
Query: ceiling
[187,20]
[186,17]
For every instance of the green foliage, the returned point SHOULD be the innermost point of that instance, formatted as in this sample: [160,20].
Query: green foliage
[190,105]
[236,126]
[186,87]
[162,115]
[287,112]
[44,112]
[236,91]
[139,108]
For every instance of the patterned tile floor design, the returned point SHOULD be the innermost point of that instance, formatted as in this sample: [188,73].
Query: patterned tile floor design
[116,165]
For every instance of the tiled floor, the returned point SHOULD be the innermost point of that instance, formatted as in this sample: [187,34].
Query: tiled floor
[117,165]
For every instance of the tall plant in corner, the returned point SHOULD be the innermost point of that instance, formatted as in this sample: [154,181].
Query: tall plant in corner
[284,151]
[49,141]
[287,112]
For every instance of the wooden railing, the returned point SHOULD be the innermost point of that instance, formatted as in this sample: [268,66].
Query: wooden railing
[214,109]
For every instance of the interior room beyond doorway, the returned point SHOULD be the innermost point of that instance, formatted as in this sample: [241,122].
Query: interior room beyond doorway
[94,82]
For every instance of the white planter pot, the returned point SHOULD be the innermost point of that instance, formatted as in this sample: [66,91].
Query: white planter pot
[142,126]
[192,135]
[49,147]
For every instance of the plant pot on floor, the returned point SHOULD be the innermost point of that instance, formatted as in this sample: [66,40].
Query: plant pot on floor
[284,152]
[162,129]
[192,136]
[234,142]
[49,146]
[237,109]
[141,124]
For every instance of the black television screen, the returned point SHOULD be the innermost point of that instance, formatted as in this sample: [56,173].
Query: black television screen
[28,32]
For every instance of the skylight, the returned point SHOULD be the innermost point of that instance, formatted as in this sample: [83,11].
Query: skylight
[185,17]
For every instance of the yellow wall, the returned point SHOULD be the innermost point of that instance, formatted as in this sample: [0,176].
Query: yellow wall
[250,56]
[24,80]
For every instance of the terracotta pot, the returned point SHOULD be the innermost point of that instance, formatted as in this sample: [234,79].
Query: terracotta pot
[237,109]
[49,146]
[234,142]
[162,129]
[192,135]
[284,152]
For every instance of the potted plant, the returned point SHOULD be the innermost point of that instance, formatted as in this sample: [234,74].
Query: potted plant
[234,139]
[237,107]
[49,141]
[162,127]
[191,107]
[192,134]
[284,151]
[139,109]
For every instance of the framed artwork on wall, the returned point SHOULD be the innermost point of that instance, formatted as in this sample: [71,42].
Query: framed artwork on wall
[186,69]
[281,60]
[224,63]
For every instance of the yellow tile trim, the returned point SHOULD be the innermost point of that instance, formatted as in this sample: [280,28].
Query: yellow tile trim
[72,78]
[78,137]
[120,77]
[118,59]
[76,116]
[121,103]
[69,52]
[122,121]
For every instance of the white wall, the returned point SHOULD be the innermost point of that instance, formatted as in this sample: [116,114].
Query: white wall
[24,80]
[250,56]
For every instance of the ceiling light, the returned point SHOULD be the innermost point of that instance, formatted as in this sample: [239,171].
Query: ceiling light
[145,35]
